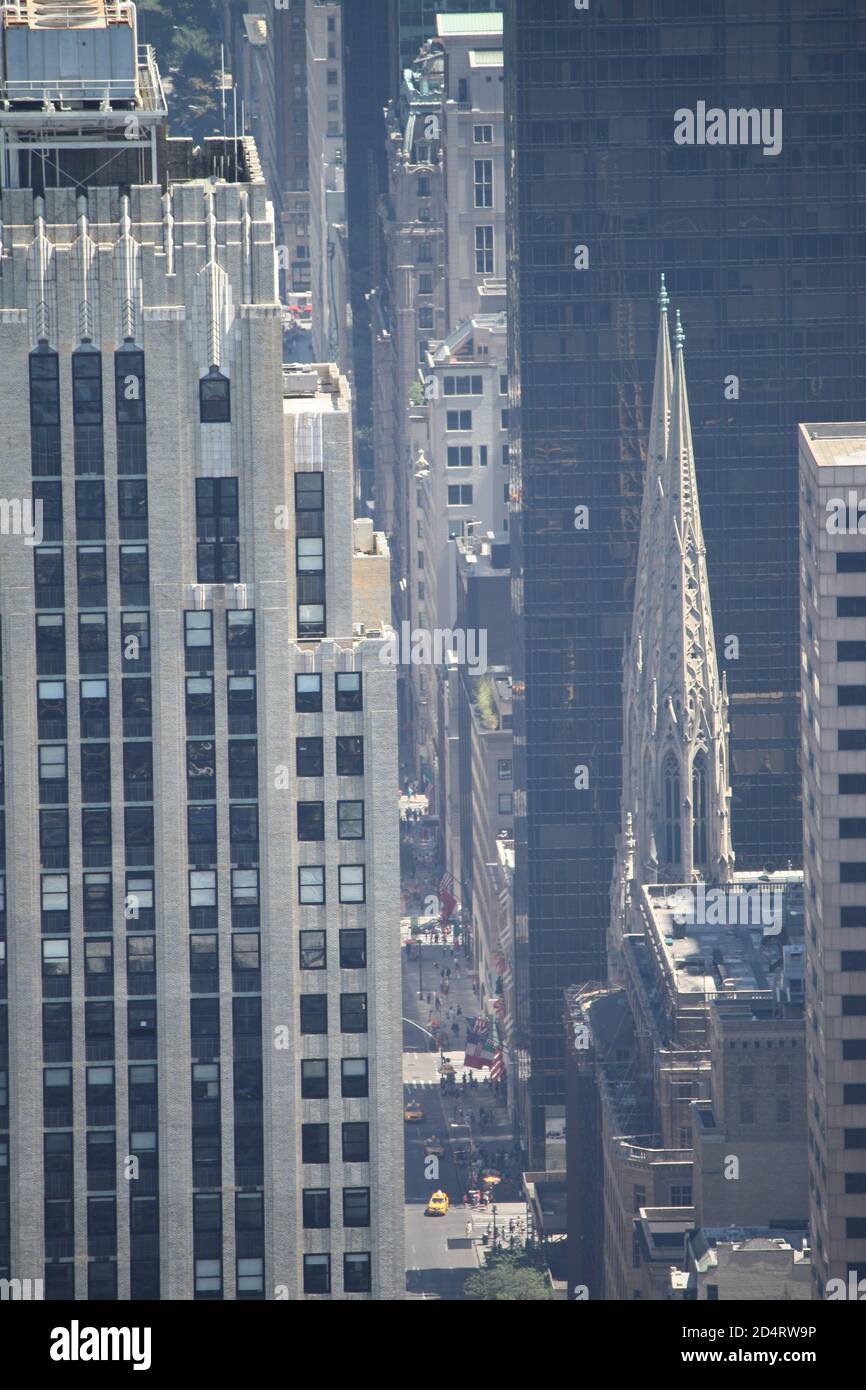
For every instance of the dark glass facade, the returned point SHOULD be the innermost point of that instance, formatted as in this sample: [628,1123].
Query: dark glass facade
[765,257]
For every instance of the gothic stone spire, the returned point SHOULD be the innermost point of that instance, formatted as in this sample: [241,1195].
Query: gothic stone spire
[675,751]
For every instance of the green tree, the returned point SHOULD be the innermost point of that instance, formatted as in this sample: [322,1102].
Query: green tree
[508,1278]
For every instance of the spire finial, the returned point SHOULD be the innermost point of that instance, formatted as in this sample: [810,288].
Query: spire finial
[679,333]
[664,299]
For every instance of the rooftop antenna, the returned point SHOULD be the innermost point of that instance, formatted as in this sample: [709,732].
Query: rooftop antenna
[223,97]
[235,127]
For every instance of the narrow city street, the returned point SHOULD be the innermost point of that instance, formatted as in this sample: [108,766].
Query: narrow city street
[440,1252]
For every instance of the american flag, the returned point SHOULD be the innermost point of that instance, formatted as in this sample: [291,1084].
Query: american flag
[497,1066]
[447,900]
[479,1053]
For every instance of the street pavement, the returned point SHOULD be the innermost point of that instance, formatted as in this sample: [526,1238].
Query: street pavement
[440,1254]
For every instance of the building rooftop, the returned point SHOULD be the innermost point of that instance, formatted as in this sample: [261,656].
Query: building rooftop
[313,387]
[836,445]
[705,1242]
[453,25]
[256,29]
[726,941]
[66,14]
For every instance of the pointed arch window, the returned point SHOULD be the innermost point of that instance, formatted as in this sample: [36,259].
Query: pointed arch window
[673,830]
[699,805]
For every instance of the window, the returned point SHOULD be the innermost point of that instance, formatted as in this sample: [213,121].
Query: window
[356,1206]
[198,629]
[314,1013]
[425,283]
[356,1142]
[97,901]
[313,955]
[350,820]
[202,888]
[425,317]
[98,958]
[350,756]
[315,1144]
[308,694]
[459,456]
[348,691]
[243,825]
[354,1080]
[463,385]
[352,883]
[241,707]
[310,555]
[314,1079]
[353,949]
[460,495]
[246,953]
[458,419]
[681,1195]
[245,888]
[134,571]
[52,766]
[55,958]
[240,635]
[316,1208]
[309,492]
[311,820]
[214,395]
[311,884]
[505,803]
[199,705]
[317,1274]
[484,183]
[482,455]
[504,769]
[309,757]
[353,1013]
[484,250]
[55,893]
[141,955]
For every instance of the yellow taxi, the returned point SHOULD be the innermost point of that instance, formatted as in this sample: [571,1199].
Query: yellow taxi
[438,1204]
[412,1112]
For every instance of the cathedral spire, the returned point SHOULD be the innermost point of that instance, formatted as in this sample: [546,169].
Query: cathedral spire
[675,746]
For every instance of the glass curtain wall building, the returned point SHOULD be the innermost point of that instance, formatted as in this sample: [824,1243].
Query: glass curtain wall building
[722,143]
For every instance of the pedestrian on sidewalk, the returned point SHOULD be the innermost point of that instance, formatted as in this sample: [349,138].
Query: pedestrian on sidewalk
[469,1228]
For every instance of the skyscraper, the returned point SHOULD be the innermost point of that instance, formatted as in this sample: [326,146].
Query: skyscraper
[763,257]
[833,593]
[202,983]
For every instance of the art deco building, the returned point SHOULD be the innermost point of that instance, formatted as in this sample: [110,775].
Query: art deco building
[833,608]
[201,983]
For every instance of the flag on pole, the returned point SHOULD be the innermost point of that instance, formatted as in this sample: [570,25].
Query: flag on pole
[479,1051]
[497,1066]
[447,900]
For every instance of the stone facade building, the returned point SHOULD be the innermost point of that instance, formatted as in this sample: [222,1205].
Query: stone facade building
[201,960]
